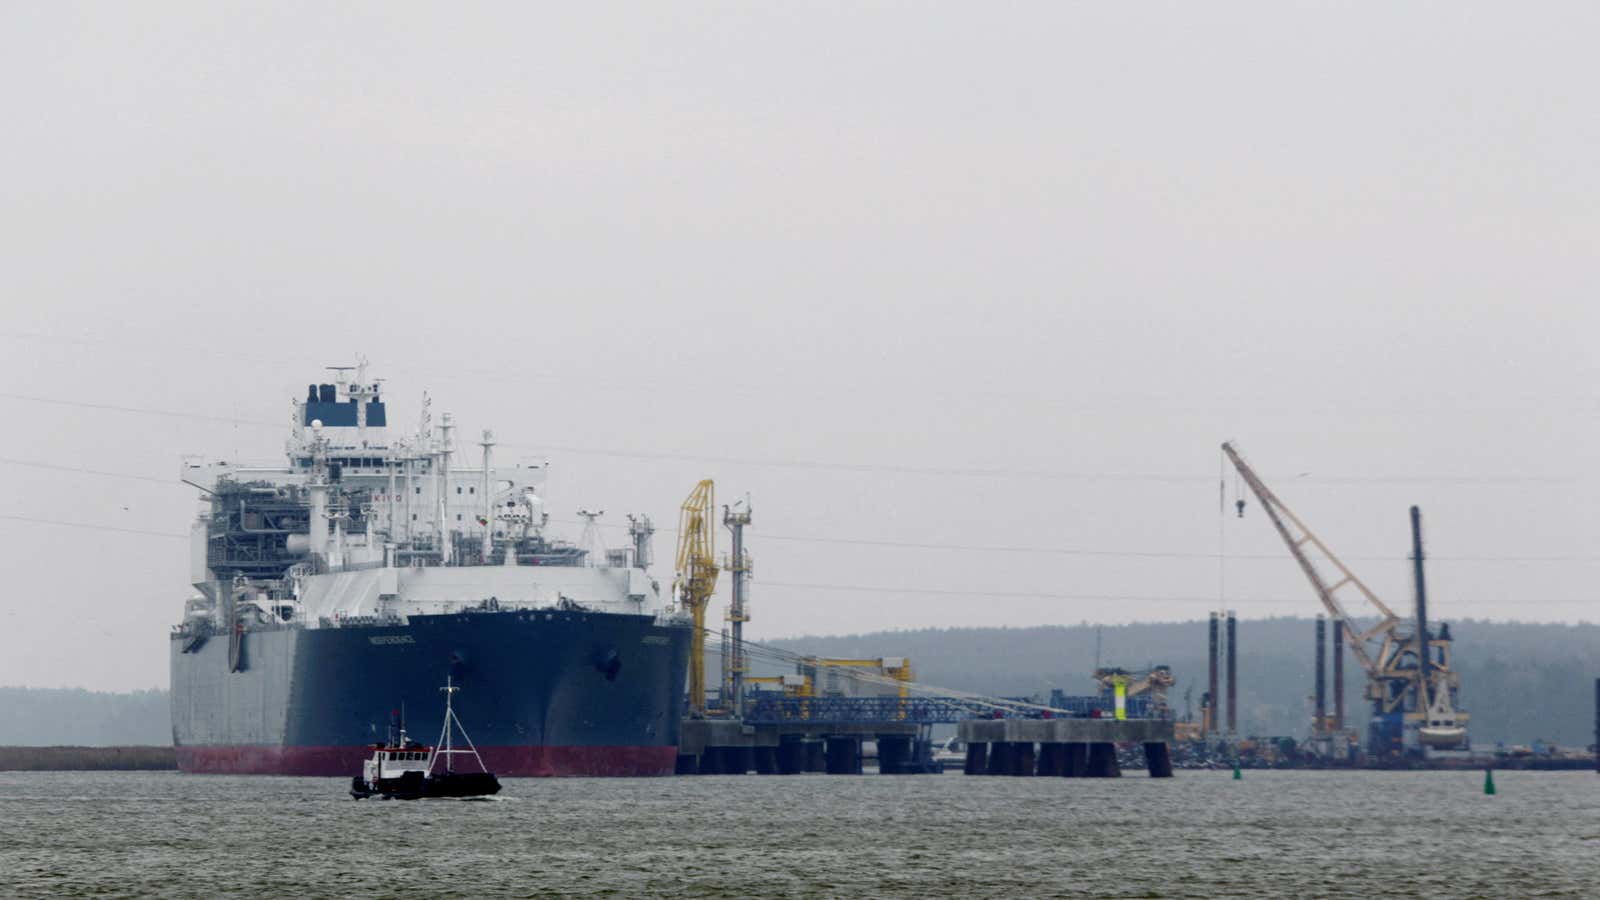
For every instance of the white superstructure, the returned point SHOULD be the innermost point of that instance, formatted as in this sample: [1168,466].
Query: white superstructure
[366,522]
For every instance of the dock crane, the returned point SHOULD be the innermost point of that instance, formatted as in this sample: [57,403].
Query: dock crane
[1153,681]
[1410,677]
[696,579]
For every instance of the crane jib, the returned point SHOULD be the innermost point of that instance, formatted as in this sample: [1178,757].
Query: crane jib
[1296,539]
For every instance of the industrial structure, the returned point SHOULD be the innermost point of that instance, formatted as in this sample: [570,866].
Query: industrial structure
[695,580]
[1219,718]
[1411,682]
[735,664]
[1122,685]
[827,714]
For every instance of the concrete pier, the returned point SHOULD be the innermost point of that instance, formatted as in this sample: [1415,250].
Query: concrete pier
[1070,748]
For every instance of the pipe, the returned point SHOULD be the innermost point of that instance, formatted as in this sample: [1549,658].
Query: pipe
[446,553]
[1233,674]
[1211,661]
[1320,722]
[317,524]
[1424,651]
[410,489]
[487,548]
[394,531]
[1338,675]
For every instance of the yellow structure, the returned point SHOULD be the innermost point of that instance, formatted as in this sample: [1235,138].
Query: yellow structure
[1123,684]
[696,579]
[792,685]
[897,668]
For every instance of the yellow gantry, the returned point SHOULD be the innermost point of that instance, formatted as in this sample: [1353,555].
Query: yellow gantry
[696,579]
[895,667]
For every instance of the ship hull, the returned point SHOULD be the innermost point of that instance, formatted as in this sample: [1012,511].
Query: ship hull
[543,693]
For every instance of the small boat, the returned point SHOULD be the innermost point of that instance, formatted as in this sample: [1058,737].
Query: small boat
[402,769]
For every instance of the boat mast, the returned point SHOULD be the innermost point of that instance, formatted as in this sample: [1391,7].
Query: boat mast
[449,714]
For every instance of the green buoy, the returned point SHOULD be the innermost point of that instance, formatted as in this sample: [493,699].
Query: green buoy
[1237,775]
[1488,781]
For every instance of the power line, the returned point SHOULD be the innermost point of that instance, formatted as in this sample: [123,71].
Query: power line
[142,410]
[1070,551]
[1067,402]
[853,588]
[944,592]
[916,545]
[82,471]
[1151,554]
[941,471]
[1036,474]
[866,468]
[1028,595]
[38,521]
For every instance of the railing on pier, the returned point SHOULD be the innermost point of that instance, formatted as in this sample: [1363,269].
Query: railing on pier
[760,710]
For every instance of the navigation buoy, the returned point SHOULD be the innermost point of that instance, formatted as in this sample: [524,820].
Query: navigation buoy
[1236,774]
[1488,781]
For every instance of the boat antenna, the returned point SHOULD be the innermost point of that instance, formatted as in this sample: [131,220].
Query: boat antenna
[449,713]
[445,747]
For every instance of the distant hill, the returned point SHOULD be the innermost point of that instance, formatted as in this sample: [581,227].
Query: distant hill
[73,716]
[1519,681]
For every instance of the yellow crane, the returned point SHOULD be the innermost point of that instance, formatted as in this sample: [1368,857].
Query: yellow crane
[696,579]
[795,686]
[1153,681]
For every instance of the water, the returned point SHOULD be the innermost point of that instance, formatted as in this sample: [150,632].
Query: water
[1273,834]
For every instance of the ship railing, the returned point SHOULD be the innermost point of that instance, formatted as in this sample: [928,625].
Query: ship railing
[357,567]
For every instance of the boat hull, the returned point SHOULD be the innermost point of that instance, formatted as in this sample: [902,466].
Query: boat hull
[543,693]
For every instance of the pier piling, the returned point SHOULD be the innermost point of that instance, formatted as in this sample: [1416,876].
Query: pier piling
[977,758]
[1022,758]
[1158,759]
[1103,760]
[1076,760]
[844,755]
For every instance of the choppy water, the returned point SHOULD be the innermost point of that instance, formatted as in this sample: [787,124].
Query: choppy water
[1273,834]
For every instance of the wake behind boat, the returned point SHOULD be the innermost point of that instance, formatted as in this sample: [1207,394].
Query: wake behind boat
[402,769]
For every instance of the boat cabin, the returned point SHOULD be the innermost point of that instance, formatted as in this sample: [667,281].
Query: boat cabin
[393,762]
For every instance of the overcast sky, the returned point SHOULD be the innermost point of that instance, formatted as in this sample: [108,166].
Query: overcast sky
[969,274]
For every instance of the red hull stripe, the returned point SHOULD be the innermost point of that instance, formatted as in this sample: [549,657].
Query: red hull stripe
[506,762]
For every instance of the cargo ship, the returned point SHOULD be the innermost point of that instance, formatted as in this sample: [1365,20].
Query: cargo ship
[349,582]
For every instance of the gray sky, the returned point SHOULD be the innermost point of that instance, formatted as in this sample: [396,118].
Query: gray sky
[846,258]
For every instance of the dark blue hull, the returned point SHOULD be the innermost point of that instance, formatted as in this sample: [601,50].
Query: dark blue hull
[543,692]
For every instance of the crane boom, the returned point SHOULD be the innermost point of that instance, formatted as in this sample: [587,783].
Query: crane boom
[1296,535]
[1411,679]
[695,580]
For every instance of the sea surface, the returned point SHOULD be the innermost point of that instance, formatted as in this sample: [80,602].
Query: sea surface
[1201,834]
